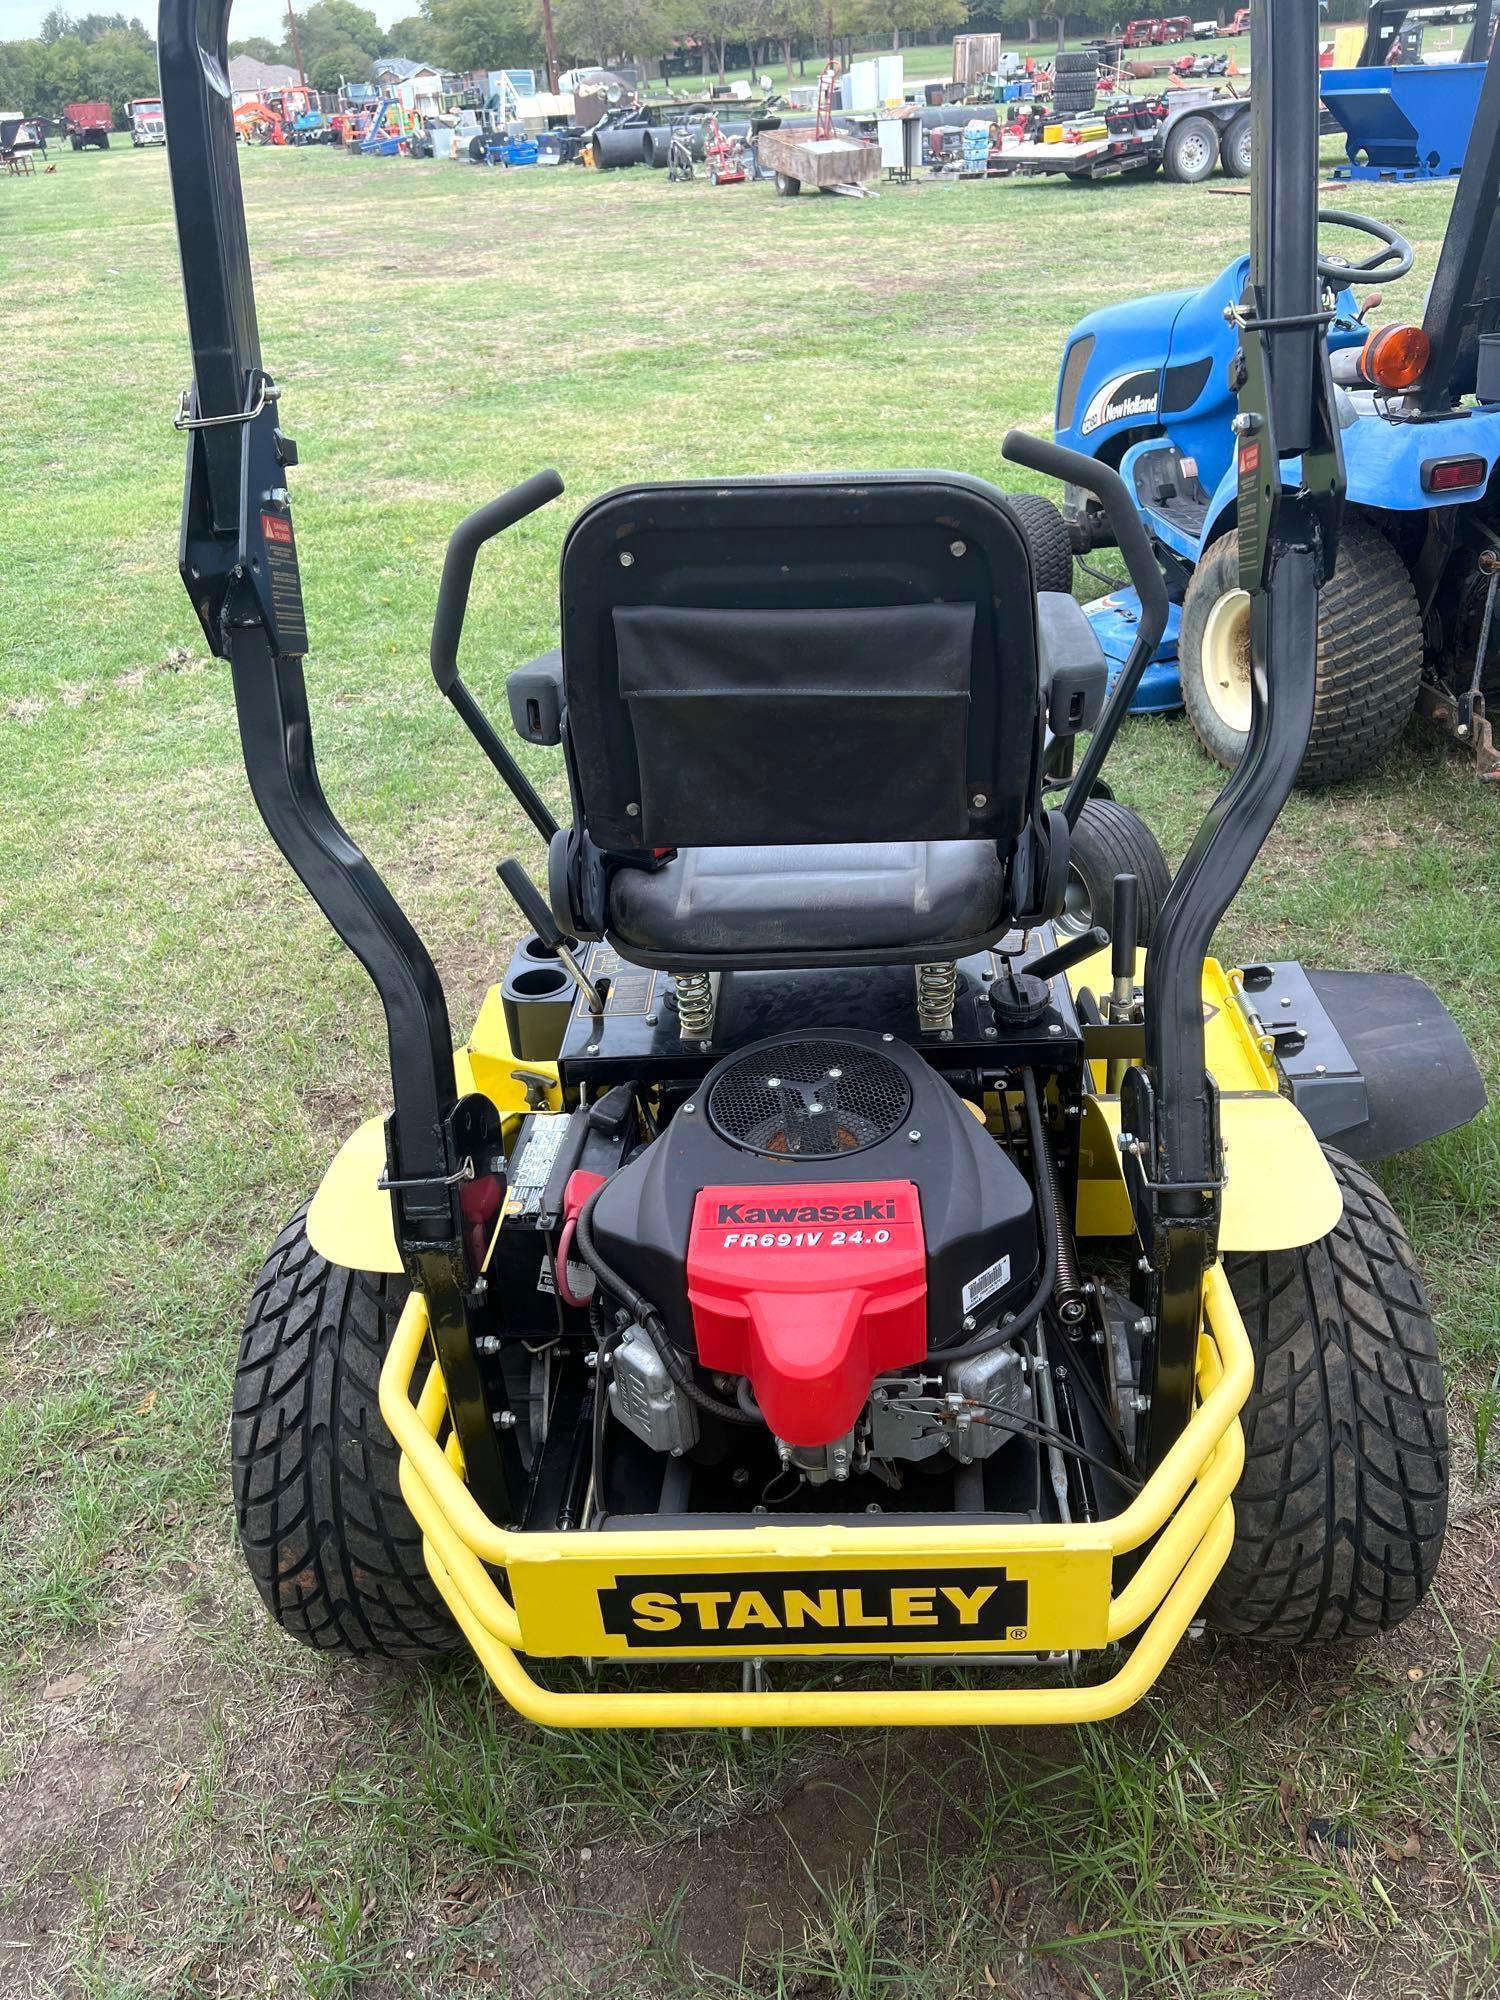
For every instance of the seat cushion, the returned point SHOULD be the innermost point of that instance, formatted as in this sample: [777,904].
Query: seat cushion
[733,901]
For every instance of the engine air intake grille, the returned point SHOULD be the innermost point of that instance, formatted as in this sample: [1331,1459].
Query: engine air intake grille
[809,1100]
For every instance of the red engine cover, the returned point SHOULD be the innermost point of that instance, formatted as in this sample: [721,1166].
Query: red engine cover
[811,1290]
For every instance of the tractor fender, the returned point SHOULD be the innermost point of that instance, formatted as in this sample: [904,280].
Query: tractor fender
[1382,468]
[1384,462]
[349,1221]
[1222,513]
[1279,1190]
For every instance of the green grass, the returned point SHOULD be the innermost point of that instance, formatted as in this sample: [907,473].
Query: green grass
[210,1811]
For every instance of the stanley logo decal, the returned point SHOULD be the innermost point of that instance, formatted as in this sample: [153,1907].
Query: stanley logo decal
[765,1609]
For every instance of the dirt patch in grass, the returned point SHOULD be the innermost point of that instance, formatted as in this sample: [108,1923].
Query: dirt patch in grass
[103,1749]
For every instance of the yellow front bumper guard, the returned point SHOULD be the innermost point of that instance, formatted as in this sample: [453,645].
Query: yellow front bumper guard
[557,1582]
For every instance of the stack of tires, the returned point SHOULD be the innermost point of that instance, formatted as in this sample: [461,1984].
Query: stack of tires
[1075,76]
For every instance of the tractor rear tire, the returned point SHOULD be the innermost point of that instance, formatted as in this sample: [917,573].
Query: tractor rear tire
[1340,1511]
[1073,103]
[1111,840]
[1075,62]
[1047,538]
[787,184]
[331,1544]
[1191,151]
[1369,657]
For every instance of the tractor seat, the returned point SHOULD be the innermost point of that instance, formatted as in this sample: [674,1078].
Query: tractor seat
[804,721]
[797,901]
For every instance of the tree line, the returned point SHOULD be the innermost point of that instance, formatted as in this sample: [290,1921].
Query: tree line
[113,57]
[340,38]
[76,61]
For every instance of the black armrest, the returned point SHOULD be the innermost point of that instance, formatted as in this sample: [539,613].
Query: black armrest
[1074,673]
[535,693]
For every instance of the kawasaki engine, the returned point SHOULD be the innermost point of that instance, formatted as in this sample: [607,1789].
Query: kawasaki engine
[815,1228]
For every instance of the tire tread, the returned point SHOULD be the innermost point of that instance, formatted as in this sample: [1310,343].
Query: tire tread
[1047,538]
[1111,840]
[1341,1508]
[333,1549]
[1369,656]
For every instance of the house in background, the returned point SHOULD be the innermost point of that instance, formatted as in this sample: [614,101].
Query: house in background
[420,87]
[252,82]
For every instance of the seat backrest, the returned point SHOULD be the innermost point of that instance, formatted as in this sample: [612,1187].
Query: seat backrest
[800,661]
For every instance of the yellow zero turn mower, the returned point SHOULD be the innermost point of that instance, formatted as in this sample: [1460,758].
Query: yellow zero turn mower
[824,1259]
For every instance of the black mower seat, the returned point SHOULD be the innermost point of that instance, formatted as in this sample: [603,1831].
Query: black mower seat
[804,721]
[883,895]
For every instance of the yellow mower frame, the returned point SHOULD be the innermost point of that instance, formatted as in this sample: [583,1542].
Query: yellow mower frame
[540,1595]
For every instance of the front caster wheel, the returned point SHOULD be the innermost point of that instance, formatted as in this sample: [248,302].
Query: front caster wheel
[329,1540]
[1340,1511]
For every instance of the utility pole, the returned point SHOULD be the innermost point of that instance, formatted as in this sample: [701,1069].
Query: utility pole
[549,36]
[291,15]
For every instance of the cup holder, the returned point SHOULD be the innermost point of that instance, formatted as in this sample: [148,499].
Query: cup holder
[534,947]
[542,983]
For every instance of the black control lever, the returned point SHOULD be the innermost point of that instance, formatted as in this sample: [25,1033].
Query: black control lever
[1070,952]
[464,544]
[1075,468]
[1123,923]
[533,906]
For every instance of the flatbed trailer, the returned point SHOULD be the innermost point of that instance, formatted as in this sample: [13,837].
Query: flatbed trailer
[1198,131]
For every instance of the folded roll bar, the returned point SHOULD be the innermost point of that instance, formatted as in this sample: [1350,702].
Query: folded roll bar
[239,564]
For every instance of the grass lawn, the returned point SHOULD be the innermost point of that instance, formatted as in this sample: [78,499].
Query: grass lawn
[191,1806]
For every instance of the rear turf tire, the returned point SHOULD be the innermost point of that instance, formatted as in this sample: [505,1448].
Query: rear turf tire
[1340,1511]
[1111,840]
[788,184]
[1369,657]
[334,1552]
[1047,537]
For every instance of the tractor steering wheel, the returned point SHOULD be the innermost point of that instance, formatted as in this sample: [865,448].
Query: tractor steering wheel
[1392,260]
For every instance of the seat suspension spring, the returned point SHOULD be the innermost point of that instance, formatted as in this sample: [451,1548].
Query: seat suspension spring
[695,1005]
[937,990]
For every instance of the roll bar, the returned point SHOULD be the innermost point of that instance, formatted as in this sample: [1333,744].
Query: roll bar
[1467,277]
[1287,545]
[1169,1110]
[238,561]
[239,564]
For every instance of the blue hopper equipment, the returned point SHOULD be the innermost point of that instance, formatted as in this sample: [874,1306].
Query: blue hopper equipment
[1405,122]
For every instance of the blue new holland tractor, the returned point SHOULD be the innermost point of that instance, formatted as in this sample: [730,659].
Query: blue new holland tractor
[1408,618]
